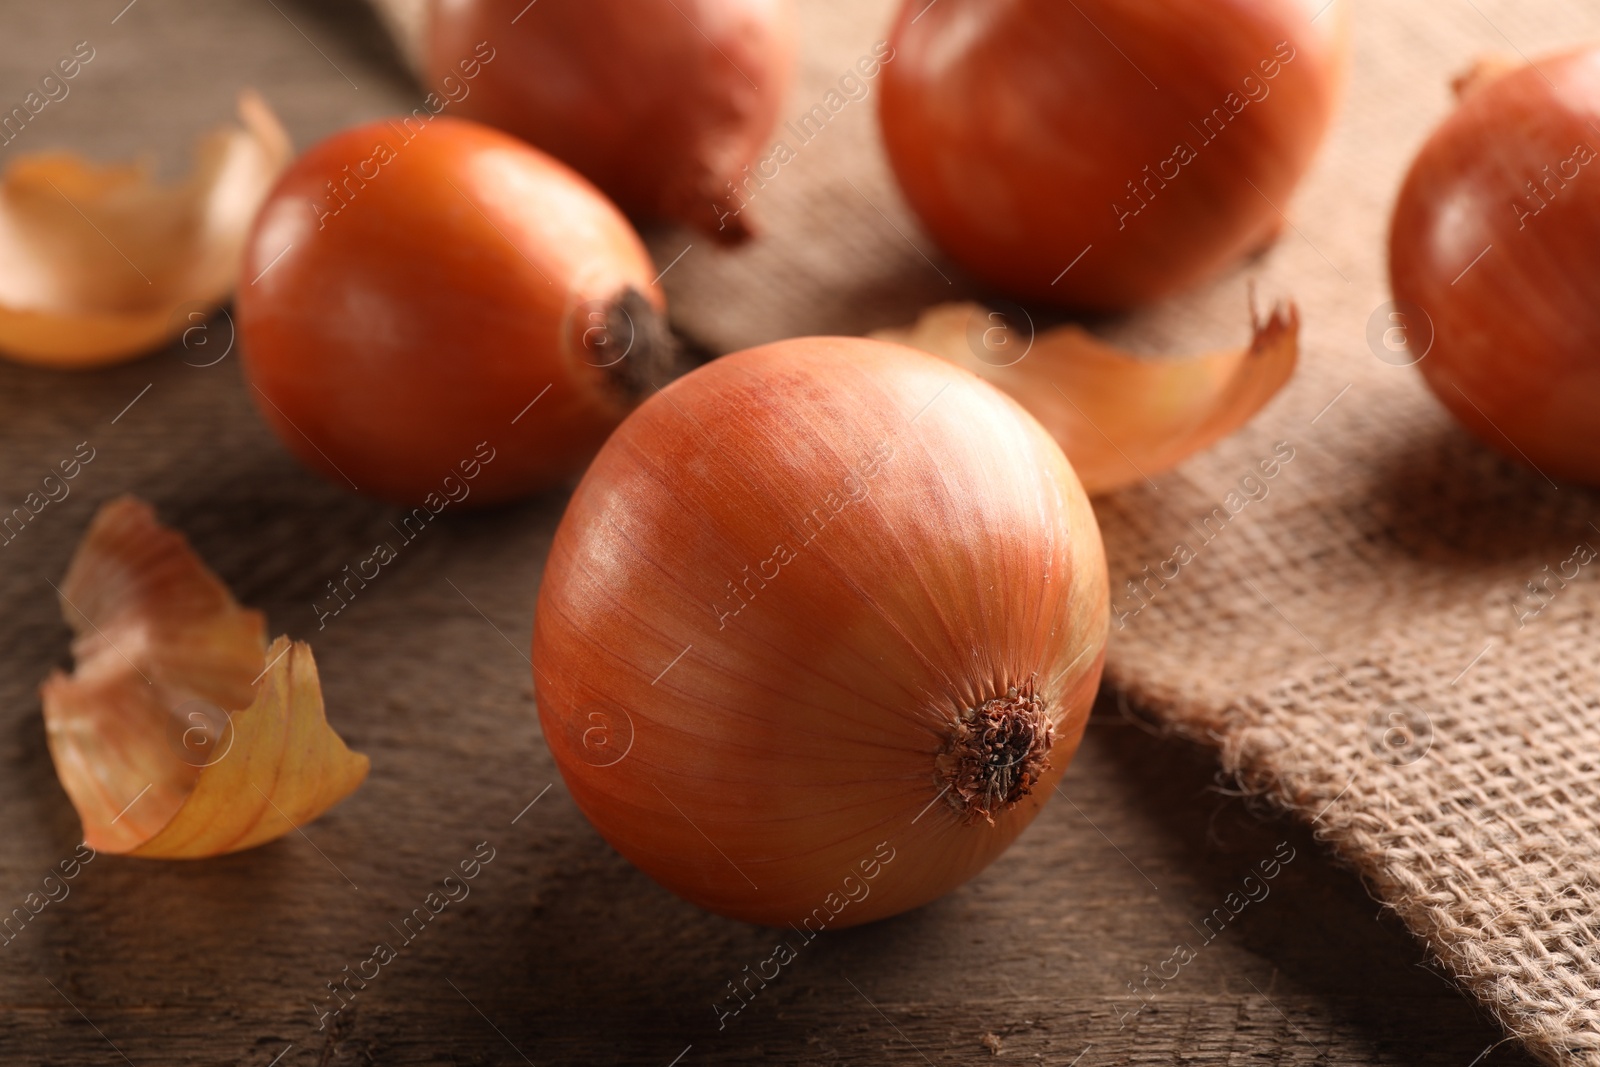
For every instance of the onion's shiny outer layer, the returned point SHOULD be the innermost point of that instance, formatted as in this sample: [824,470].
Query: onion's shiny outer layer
[820,631]
[661,103]
[1155,139]
[1496,242]
[442,303]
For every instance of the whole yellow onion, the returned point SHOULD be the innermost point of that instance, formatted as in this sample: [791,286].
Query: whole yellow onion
[820,631]
[1104,153]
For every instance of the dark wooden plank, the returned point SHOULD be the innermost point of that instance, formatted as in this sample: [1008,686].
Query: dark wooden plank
[563,953]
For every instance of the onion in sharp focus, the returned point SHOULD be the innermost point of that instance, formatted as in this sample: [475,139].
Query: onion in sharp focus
[1156,140]
[446,301]
[1496,241]
[818,602]
[661,103]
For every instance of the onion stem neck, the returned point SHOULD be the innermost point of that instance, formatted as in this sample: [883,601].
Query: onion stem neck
[654,356]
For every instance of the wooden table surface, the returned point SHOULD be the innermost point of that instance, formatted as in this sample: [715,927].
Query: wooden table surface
[563,953]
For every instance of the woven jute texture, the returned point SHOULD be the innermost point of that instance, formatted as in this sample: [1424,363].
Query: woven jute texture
[1357,641]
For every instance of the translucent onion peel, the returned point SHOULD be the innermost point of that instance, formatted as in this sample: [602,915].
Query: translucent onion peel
[1120,418]
[179,734]
[100,263]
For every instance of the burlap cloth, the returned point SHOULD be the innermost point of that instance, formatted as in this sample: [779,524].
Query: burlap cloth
[1375,597]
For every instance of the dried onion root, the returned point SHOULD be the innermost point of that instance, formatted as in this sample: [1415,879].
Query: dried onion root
[99,264]
[180,734]
[1120,418]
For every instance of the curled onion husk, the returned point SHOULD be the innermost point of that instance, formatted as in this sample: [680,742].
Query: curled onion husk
[1494,259]
[1120,418]
[180,734]
[661,103]
[1105,153]
[818,602]
[99,264]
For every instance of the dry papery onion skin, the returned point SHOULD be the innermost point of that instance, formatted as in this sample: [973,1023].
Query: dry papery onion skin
[100,264]
[816,604]
[180,734]
[1493,261]
[1104,154]
[1120,418]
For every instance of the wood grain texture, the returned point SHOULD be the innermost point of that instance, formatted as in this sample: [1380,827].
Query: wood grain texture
[563,953]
